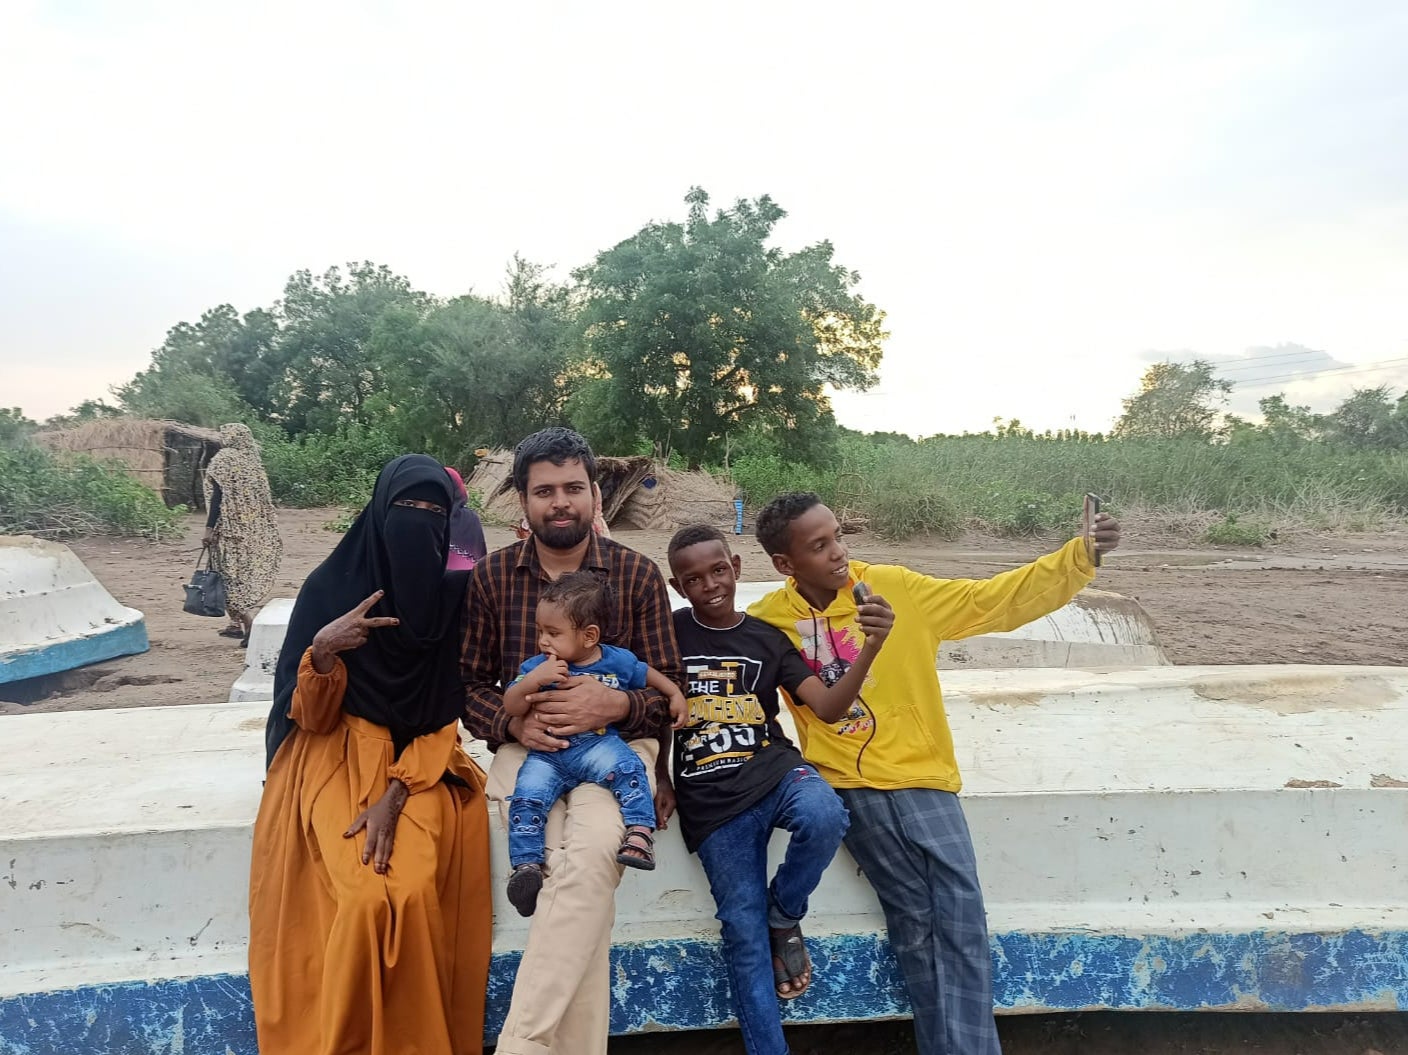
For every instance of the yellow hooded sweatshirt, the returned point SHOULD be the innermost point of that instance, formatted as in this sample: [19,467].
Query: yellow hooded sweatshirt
[896,734]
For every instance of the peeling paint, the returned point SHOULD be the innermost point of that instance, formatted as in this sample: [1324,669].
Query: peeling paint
[680,984]
[1008,699]
[1299,694]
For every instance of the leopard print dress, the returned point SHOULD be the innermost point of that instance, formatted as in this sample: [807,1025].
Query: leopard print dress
[248,549]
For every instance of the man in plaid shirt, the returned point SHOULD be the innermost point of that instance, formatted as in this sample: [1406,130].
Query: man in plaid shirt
[562,996]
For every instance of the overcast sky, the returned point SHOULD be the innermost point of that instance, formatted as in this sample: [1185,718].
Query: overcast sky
[1043,197]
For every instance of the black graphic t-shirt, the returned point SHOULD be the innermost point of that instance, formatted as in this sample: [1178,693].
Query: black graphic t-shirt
[731,752]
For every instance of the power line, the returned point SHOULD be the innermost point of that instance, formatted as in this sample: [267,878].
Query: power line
[1299,353]
[1387,364]
[1317,357]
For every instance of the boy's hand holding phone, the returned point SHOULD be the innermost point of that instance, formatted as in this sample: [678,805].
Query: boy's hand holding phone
[875,615]
[1100,530]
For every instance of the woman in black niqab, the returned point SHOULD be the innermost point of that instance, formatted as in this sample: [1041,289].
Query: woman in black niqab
[370,856]
[405,678]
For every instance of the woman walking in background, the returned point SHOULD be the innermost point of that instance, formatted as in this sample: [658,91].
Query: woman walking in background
[241,530]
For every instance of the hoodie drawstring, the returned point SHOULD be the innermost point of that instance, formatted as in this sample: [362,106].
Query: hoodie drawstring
[816,665]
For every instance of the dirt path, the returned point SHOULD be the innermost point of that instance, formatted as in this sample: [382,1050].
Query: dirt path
[1342,600]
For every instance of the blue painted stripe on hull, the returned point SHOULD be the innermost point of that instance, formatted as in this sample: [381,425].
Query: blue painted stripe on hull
[1261,971]
[680,985]
[126,640]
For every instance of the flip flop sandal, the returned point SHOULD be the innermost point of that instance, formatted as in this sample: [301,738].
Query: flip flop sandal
[524,886]
[643,846]
[231,631]
[789,960]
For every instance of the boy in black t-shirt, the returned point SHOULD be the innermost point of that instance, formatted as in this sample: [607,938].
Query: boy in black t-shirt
[737,777]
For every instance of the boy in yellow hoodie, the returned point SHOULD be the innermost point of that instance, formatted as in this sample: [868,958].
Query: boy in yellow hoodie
[891,755]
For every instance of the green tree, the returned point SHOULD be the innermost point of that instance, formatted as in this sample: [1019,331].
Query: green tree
[185,394]
[1369,419]
[324,365]
[1010,428]
[1288,423]
[14,427]
[476,372]
[234,352]
[1175,400]
[88,410]
[695,332]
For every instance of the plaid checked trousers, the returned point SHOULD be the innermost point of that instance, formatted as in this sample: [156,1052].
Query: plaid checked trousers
[914,847]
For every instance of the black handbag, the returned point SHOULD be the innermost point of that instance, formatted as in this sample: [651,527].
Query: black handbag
[205,593]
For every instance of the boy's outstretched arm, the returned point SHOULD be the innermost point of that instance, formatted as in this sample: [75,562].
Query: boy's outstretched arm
[830,703]
[966,607]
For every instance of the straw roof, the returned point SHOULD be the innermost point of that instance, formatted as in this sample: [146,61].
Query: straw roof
[670,498]
[492,481]
[140,444]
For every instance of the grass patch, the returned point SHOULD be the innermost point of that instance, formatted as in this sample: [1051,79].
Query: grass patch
[64,497]
[1231,531]
[1030,485]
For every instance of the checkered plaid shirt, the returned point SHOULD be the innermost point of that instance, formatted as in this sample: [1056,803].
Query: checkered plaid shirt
[502,604]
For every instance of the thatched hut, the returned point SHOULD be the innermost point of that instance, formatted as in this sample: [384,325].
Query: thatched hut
[167,456]
[635,493]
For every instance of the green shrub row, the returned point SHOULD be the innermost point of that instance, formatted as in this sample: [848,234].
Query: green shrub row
[43,494]
[1024,485]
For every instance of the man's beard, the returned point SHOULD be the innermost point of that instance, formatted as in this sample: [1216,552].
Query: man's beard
[561,537]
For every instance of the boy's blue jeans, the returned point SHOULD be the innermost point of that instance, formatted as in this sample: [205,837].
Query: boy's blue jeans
[545,776]
[735,858]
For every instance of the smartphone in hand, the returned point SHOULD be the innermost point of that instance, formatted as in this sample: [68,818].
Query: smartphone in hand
[861,593]
[1091,507]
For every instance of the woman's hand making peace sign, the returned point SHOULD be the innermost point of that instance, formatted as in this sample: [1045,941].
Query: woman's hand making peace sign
[347,632]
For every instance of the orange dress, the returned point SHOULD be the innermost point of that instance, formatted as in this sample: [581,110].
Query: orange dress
[342,960]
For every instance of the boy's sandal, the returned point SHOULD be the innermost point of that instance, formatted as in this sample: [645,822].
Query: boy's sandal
[789,960]
[637,849]
[231,631]
[524,886]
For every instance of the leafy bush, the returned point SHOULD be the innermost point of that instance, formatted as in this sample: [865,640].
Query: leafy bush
[184,395]
[14,427]
[1023,484]
[324,469]
[1025,512]
[41,494]
[342,523]
[898,494]
[762,477]
[915,510]
[1233,532]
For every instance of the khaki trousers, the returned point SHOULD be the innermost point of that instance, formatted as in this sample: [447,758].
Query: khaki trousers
[562,995]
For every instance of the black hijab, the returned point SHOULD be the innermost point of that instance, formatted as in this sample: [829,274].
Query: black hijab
[406,677]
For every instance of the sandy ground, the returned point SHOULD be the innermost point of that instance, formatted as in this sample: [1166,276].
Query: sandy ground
[1310,600]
